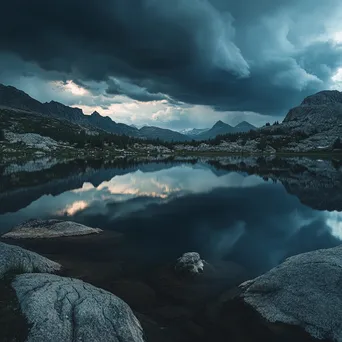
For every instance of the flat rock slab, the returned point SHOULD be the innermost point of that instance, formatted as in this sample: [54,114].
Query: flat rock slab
[19,260]
[69,310]
[304,291]
[45,229]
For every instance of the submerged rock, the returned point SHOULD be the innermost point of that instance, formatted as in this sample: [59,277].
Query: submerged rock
[305,291]
[43,229]
[66,310]
[190,263]
[19,260]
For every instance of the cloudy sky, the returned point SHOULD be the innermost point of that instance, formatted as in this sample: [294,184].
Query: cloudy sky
[174,64]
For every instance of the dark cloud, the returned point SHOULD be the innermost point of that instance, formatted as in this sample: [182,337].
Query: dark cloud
[116,87]
[247,55]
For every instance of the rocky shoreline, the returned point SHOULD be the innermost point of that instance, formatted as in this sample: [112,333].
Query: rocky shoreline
[189,300]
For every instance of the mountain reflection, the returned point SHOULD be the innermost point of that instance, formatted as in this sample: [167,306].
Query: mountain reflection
[165,210]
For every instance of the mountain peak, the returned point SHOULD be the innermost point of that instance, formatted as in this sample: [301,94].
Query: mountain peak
[95,113]
[18,99]
[323,97]
[244,124]
[318,107]
[220,124]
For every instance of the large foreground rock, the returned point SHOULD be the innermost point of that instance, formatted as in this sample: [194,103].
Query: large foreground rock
[69,310]
[304,291]
[18,260]
[37,229]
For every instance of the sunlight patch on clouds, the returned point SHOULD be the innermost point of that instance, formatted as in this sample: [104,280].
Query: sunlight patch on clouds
[85,187]
[337,80]
[73,208]
[334,221]
[338,76]
[175,181]
[337,37]
[71,87]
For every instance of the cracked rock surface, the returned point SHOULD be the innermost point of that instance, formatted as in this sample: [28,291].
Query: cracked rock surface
[69,310]
[305,291]
[17,259]
[37,229]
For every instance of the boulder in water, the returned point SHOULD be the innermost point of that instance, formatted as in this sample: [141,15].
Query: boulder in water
[44,229]
[190,263]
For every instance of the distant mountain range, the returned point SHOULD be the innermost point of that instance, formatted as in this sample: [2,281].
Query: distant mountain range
[221,128]
[192,132]
[163,134]
[11,97]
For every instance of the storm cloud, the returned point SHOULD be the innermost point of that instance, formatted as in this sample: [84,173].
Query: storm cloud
[261,57]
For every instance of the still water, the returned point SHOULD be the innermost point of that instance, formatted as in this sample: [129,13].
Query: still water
[165,210]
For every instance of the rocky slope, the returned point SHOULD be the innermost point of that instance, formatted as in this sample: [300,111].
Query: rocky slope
[12,98]
[313,126]
[244,126]
[152,132]
[304,291]
[107,124]
[319,117]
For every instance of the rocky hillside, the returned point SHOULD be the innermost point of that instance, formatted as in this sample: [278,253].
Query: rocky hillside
[319,116]
[244,126]
[313,126]
[319,112]
[12,98]
[152,132]
[24,137]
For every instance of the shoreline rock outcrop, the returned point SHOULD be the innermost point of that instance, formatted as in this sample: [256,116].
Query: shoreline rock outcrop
[305,291]
[45,229]
[65,310]
[19,260]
